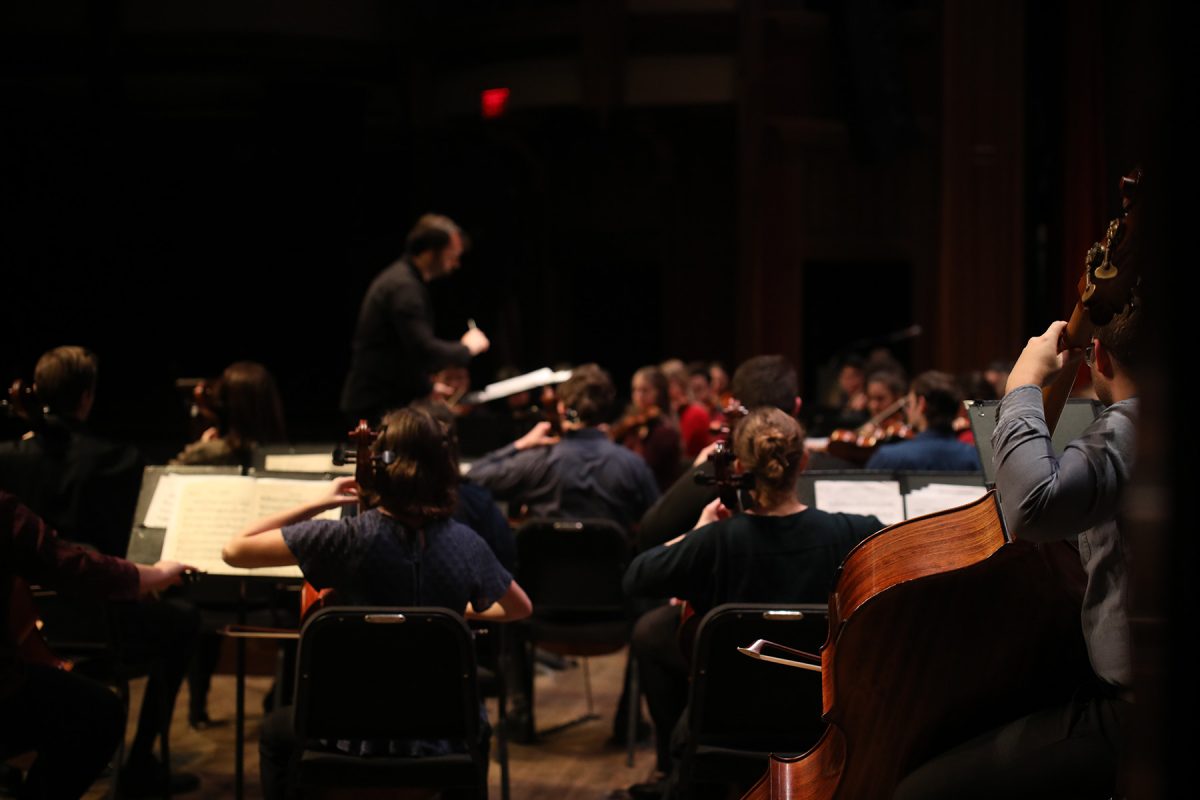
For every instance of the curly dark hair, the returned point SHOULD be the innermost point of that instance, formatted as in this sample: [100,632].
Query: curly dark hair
[589,393]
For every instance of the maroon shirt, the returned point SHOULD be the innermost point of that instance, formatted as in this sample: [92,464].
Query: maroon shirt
[32,550]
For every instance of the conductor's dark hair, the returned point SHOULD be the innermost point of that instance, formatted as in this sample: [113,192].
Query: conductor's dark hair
[942,398]
[63,375]
[589,394]
[766,381]
[420,483]
[432,232]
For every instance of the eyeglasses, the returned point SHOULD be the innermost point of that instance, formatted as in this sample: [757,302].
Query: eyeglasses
[1089,352]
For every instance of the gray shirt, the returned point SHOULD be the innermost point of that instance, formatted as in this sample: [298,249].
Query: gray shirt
[1045,498]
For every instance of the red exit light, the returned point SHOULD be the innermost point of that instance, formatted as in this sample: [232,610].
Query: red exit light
[494,102]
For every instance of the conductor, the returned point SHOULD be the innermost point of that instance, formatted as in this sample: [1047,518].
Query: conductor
[395,350]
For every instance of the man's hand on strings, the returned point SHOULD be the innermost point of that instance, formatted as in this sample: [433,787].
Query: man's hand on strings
[161,575]
[538,436]
[1042,359]
[713,512]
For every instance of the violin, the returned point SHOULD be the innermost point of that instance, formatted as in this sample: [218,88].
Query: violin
[312,599]
[943,627]
[21,402]
[638,421]
[858,445]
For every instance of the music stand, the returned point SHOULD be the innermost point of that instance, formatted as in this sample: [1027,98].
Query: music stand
[1078,413]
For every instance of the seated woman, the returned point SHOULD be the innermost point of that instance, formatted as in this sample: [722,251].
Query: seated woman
[648,428]
[780,551]
[245,409]
[406,551]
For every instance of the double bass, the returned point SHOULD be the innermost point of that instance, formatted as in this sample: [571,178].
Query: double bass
[944,627]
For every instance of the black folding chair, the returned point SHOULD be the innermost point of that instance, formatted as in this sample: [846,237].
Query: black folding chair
[572,571]
[740,710]
[368,673]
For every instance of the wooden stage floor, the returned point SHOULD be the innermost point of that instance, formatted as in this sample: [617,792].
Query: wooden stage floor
[575,764]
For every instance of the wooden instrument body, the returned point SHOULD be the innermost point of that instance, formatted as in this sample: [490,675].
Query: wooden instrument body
[922,605]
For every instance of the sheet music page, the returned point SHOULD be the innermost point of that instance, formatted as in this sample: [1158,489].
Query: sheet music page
[305,462]
[208,510]
[939,497]
[162,504]
[521,383]
[274,495]
[881,498]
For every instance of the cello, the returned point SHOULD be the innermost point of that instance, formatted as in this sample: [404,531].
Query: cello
[943,627]
[729,484]
[313,600]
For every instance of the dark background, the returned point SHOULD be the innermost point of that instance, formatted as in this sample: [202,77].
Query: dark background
[189,184]
[186,184]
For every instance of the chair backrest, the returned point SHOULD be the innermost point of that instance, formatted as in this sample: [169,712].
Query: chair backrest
[386,673]
[747,704]
[573,567]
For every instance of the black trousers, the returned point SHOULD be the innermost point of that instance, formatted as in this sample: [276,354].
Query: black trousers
[663,674]
[73,723]
[1068,751]
[162,632]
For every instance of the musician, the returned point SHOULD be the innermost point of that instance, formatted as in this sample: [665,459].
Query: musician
[86,488]
[582,474]
[246,412]
[884,387]
[72,722]
[395,350]
[932,405]
[406,551]
[648,428]
[780,551]
[1073,749]
[579,475]
[694,418]
[759,381]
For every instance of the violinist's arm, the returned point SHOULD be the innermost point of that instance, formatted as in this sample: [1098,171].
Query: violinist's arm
[261,544]
[512,606]
[682,569]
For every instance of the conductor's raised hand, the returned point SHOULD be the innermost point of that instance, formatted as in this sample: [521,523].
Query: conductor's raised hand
[476,341]
[1042,359]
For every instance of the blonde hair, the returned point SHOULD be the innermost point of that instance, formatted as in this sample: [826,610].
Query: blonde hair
[770,444]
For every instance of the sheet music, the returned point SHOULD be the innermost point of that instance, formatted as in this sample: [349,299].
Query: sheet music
[305,462]
[162,504]
[939,497]
[210,509]
[274,495]
[881,498]
[521,383]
